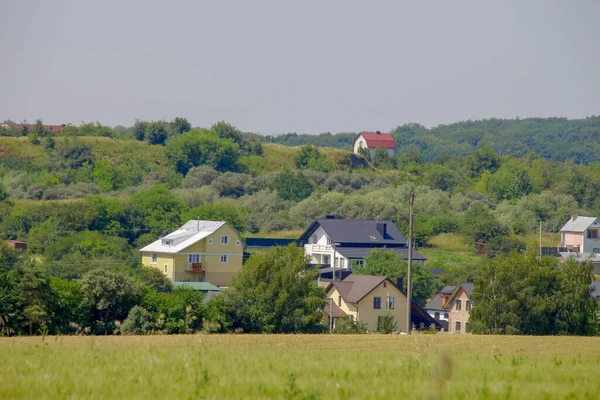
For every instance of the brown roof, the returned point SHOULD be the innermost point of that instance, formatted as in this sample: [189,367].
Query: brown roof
[354,287]
[337,312]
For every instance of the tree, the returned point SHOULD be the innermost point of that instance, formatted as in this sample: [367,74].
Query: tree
[139,129]
[65,306]
[309,157]
[384,262]
[181,125]
[156,133]
[386,324]
[154,278]
[364,151]
[292,186]
[159,208]
[227,131]
[232,213]
[108,295]
[275,293]
[381,159]
[195,148]
[138,322]
[480,225]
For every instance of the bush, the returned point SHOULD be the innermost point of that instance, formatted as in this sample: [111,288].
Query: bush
[138,322]
[386,324]
[200,176]
[347,326]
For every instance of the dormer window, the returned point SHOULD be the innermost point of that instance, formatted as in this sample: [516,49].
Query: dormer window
[167,243]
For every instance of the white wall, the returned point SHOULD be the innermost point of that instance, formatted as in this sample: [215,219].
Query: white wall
[590,244]
[360,142]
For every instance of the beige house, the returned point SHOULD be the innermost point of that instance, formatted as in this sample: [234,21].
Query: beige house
[199,251]
[367,298]
[459,307]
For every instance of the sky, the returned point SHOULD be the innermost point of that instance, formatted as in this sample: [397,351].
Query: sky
[312,66]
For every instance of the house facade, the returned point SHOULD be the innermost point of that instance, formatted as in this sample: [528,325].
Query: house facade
[581,235]
[368,298]
[338,244]
[372,140]
[435,307]
[459,306]
[199,251]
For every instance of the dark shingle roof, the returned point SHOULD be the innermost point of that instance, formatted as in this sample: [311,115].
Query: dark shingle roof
[436,302]
[467,287]
[358,231]
[354,287]
[337,312]
[361,252]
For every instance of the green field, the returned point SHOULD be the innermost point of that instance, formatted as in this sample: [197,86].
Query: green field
[301,367]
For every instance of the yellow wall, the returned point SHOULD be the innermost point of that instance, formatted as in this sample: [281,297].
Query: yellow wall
[215,272]
[364,311]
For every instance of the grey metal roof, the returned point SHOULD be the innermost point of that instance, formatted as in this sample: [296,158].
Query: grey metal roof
[593,257]
[361,252]
[436,302]
[357,231]
[579,224]
[467,287]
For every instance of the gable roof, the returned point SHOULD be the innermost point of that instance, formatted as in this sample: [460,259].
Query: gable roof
[190,233]
[337,312]
[375,139]
[466,287]
[355,287]
[436,302]
[593,257]
[578,224]
[358,231]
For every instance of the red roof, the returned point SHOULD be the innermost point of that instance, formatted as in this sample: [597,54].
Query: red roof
[51,128]
[374,139]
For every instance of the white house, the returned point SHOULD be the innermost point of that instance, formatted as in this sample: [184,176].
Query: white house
[581,235]
[338,243]
[372,140]
[435,307]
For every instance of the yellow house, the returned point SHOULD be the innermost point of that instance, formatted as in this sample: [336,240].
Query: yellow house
[199,251]
[367,298]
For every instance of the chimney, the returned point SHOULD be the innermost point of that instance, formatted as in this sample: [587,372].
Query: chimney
[378,132]
[399,283]
[382,229]
[573,218]
[330,217]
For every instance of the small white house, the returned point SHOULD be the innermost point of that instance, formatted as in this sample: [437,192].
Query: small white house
[581,235]
[372,140]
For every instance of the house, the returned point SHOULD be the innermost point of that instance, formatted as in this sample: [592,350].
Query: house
[458,307]
[367,298]
[30,127]
[337,244]
[595,286]
[581,235]
[199,251]
[372,140]
[16,244]
[435,307]
[207,288]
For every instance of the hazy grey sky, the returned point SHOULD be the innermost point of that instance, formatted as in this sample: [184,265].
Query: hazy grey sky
[302,66]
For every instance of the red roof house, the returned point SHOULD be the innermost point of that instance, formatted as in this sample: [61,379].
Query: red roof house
[372,140]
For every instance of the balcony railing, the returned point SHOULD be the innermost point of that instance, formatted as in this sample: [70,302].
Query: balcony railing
[318,248]
[195,268]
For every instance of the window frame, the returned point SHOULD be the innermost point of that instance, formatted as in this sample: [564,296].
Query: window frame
[166,268]
[154,258]
[592,234]
[436,315]
[391,303]
[458,304]
[457,326]
[224,259]
[376,303]
[468,305]
[225,239]
[467,327]
[192,257]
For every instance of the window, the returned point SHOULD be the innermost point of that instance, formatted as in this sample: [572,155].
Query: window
[457,327]
[391,303]
[437,315]
[238,243]
[592,233]
[223,258]
[166,268]
[458,304]
[313,239]
[339,301]
[384,284]
[329,241]
[154,258]
[467,327]
[194,258]
[446,315]
[359,263]
[596,250]
[224,239]
[468,306]
[377,303]
[168,242]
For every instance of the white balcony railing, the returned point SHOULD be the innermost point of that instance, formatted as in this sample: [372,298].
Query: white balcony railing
[318,248]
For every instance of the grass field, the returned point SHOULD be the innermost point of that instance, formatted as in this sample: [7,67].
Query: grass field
[301,367]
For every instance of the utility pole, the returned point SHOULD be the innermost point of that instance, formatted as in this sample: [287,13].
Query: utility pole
[330,314]
[540,240]
[409,274]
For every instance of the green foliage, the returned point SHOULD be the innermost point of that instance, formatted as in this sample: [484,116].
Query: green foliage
[348,326]
[231,213]
[178,311]
[139,322]
[181,125]
[65,306]
[73,154]
[518,294]
[292,186]
[381,159]
[156,133]
[158,209]
[227,131]
[386,324]
[275,293]
[364,151]
[309,157]
[195,148]
[384,262]
[108,295]
[155,279]
[480,225]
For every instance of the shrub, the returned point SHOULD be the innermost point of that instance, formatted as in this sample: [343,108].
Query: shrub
[348,326]
[386,324]
[138,322]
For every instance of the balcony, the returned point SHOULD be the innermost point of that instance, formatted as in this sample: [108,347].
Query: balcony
[195,268]
[318,248]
